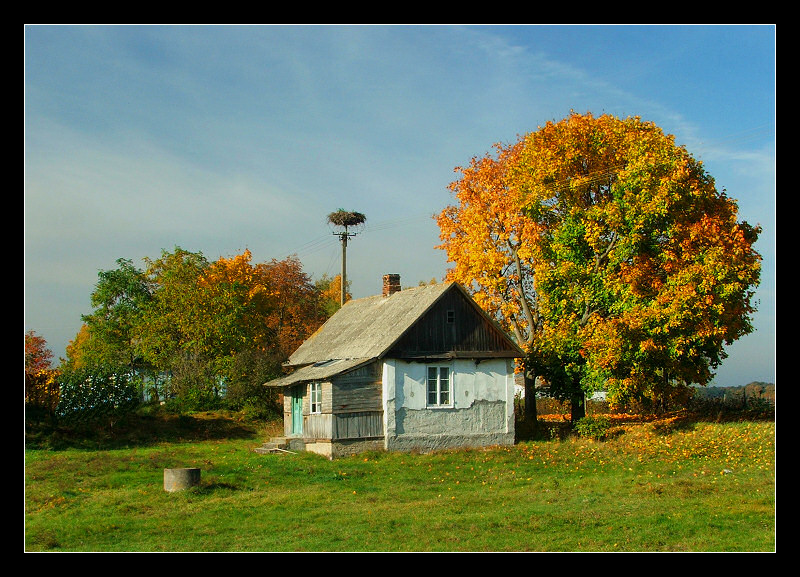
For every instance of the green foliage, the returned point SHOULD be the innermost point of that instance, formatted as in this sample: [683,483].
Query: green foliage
[245,377]
[120,297]
[593,427]
[201,335]
[608,252]
[175,320]
[97,396]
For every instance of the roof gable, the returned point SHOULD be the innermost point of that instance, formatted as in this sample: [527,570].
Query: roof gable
[372,326]
[454,327]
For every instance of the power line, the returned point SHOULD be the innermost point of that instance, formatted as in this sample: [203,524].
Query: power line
[329,240]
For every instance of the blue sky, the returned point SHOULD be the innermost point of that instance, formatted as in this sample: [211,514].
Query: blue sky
[218,139]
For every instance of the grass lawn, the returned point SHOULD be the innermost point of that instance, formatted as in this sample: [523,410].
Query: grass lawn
[667,485]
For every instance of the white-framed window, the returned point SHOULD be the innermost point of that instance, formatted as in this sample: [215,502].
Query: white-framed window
[440,386]
[315,397]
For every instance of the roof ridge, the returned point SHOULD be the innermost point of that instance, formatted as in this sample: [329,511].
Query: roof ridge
[364,327]
[405,290]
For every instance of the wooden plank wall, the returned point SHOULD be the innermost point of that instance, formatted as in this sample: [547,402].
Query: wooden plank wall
[452,325]
[362,425]
[358,390]
[317,426]
[340,426]
[352,406]
[357,403]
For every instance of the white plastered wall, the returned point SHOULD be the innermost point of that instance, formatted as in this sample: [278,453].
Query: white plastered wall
[481,413]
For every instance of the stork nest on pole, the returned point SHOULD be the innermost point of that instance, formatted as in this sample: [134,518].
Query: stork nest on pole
[346,218]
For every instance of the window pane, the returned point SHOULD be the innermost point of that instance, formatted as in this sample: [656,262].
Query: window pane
[432,378]
[438,386]
[315,395]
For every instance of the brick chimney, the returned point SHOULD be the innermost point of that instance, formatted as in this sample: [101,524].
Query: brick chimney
[391,284]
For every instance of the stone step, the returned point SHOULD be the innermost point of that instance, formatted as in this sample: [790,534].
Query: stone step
[280,445]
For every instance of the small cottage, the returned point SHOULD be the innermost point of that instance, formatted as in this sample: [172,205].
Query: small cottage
[417,369]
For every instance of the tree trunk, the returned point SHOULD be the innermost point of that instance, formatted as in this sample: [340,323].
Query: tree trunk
[578,403]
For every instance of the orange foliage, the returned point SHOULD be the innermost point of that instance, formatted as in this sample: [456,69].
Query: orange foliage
[277,302]
[296,312]
[41,386]
[600,240]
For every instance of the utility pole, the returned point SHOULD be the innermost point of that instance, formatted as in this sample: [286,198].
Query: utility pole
[343,236]
[345,220]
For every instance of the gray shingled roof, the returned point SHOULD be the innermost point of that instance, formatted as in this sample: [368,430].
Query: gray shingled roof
[368,327]
[319,371]
[361,331]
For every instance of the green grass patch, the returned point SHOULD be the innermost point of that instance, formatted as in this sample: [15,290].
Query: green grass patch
[657,486]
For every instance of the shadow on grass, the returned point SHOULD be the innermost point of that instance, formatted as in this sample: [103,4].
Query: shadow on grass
[140,430]
[542,430]
[664,424]
[211,488]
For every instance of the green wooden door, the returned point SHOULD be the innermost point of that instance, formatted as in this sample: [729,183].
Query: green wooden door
[297,410]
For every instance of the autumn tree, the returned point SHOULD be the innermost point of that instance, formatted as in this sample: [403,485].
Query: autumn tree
[41,384]
[296,310]
[196,330]
[280,310]
[608,251]
[329,290]
[488,237]
[38,356]
[226,324]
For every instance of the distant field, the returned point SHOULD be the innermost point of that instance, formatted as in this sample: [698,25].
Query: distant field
[664,485]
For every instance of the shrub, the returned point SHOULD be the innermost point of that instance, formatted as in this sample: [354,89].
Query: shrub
[41,393]
[195,400]
[593,427]
[97,397]
[244,382]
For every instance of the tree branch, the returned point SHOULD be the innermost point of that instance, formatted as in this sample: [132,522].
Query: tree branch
[522,297]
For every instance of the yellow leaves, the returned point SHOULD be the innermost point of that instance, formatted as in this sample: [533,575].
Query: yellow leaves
[487,235]
[649,346]
[232,270]
[42,388]
[618,239]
